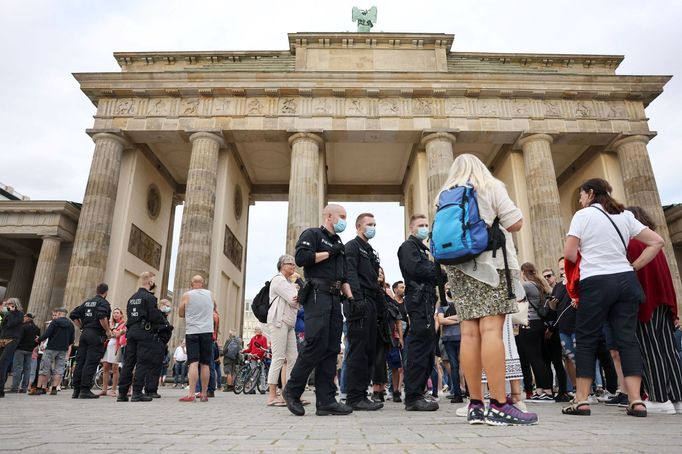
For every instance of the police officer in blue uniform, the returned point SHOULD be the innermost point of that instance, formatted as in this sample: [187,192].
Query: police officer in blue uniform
[419,273]
[159,351]
[143,323]
[92,317]
[320,252]
[363,270]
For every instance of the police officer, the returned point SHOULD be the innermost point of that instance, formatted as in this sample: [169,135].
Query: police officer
[419,273]
[363,269]
[159,347]
[320,251]
[92,317]
[144,320]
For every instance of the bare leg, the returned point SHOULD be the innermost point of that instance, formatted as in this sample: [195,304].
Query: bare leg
[272,397]
[395,376]
[56,380]
[42,381]
[193,377]
[583,388]
[515,386]
[570,368]
[283,374]
[492,355]
[114,382]
[470,357]
[105,378]
[205,376]
[633,384]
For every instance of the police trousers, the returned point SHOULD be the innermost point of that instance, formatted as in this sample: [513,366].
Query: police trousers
[89,354]
[320,349]
[420,344]
[139,357]
[158,351]
[362,334]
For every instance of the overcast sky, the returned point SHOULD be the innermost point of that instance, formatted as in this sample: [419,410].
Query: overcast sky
[43,115]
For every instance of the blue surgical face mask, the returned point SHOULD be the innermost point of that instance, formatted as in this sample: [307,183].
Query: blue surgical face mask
[166,309]
[370,232]
[422,233]
[340,225]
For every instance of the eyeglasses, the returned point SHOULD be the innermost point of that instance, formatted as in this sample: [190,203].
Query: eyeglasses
[547,276]
[289,263]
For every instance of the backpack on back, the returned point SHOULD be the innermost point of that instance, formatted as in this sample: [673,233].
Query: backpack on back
[232,349]
[261,303]
[459,234]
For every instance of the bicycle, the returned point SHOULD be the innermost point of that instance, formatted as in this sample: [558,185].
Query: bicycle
[252,375]
[99,375]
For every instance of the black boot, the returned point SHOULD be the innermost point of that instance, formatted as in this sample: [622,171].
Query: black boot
[335,408]
[396,397]
[421,405]
[366,405]
[87,394]
[140,398]
[76,393]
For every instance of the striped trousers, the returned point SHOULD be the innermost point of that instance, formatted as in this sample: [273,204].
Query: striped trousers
[662,371]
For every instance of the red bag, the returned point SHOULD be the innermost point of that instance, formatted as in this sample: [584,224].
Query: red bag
[572,271]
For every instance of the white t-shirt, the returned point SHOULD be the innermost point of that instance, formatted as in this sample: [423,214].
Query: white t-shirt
[180,354]
[601,248]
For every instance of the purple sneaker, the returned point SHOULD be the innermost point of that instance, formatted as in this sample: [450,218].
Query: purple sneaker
[509,415]
[476,414]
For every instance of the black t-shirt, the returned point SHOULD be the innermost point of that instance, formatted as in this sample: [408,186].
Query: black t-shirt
[319,239]
[91,312]
[362,265]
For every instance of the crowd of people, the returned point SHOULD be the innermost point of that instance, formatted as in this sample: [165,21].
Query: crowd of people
[484,328]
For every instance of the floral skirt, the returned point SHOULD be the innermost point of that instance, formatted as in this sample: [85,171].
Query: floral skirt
[475,299]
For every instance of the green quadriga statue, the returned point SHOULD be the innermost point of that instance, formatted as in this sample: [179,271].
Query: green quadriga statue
[366,18]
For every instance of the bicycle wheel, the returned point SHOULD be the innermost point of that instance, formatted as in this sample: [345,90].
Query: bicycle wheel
[262,384]
[99,377]
[240,379]
[252,381]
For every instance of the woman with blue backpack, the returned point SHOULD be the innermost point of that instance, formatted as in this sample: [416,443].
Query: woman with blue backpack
[471,236]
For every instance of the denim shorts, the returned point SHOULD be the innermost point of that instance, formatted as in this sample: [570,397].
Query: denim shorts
[568,345]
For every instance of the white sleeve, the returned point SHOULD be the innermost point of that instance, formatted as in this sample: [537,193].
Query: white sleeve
[504,207]
[577,225]
[633,225]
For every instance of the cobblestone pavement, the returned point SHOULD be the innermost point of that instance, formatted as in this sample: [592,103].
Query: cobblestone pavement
[56,424]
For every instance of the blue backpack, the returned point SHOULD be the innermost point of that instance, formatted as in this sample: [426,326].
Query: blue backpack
[459,234]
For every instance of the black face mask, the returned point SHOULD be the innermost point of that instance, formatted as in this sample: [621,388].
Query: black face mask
[152,287]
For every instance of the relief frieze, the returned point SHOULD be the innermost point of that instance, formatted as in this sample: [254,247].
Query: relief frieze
[464,107]
[144,247]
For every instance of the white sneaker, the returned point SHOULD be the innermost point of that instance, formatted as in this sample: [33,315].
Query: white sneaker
[605,396]
[678,407]
[592,399]
[521,405]
[661,408]
[462,411]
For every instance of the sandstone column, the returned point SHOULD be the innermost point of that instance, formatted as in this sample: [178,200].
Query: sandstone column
[41,291]
[439,157]
[196,231]
[304,186]
[19,283]
[543,199]
[640,190]
[91,245]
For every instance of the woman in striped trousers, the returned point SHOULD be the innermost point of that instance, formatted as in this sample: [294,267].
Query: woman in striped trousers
[655,331]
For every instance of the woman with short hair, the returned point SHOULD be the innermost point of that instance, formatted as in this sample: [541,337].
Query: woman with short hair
[281,323]
[609,290]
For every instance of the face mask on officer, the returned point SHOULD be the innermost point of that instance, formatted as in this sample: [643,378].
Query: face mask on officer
[152,286]
[422,233]
[370,232]
[166,309]
[340,225]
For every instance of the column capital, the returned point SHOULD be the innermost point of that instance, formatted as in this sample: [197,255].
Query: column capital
[311,136]
[51,237]
[428,136]
[98,136]
[533,137]
[640,138]
[207,135]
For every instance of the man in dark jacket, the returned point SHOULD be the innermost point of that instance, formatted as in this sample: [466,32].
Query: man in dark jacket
[22,357]
[60,335]
[10,331]
[419,273]
[92,317]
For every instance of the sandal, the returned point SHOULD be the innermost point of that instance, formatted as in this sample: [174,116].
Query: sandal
[578,409]
[638,413]
[277,403]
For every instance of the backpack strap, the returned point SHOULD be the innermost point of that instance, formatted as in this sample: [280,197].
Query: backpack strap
[614,226]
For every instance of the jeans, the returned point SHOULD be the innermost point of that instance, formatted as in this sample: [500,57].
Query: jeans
[6,357]
[452,350]
[180,372]
[22,370]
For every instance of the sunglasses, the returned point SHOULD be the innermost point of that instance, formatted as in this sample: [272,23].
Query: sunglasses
[547,276]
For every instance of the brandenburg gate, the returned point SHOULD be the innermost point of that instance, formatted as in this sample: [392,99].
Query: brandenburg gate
[340,116]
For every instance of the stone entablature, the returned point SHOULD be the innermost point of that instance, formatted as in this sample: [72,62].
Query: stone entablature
[39,218]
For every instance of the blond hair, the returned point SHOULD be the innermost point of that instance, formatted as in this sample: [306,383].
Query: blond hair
[468,169]
[146,277]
